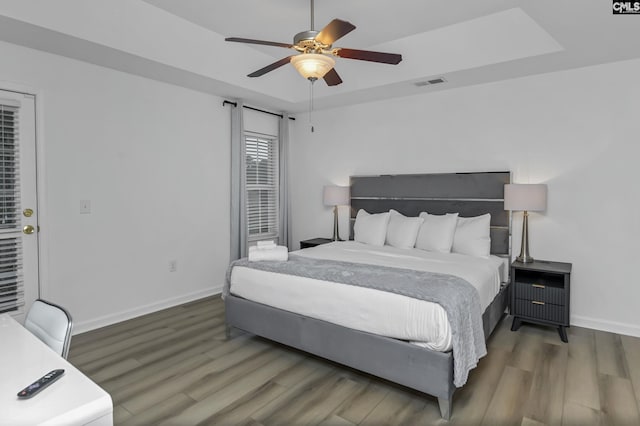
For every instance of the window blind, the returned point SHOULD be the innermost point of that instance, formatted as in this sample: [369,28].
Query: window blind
[261,186]
[11,282]
[9,177]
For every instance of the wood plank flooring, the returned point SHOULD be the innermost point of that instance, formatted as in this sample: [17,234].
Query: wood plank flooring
[175,367]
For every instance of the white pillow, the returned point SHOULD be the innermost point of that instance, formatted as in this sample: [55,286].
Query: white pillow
[402,231]
[472,236]
[436,233]
[371,228]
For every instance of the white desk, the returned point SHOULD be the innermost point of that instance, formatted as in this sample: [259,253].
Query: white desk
[72,400]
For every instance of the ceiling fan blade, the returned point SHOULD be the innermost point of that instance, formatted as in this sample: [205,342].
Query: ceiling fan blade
[332,78]
[268,68]
[366,55]
[263,42]
[334,30]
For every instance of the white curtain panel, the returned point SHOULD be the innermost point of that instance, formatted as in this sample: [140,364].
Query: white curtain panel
[284,229]
[238,178]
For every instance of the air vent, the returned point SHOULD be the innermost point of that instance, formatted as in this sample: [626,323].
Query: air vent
[430,82]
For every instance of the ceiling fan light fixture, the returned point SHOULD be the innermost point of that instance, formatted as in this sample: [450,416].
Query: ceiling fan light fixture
[313,66]
[315,59]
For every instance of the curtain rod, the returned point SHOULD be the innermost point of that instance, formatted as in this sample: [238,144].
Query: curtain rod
[235,104]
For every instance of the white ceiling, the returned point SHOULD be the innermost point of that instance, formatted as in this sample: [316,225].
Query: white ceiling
[466,42]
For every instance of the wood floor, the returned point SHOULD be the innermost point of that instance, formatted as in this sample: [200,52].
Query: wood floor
[175,367]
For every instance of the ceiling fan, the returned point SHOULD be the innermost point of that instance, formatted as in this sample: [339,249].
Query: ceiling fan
[315,57]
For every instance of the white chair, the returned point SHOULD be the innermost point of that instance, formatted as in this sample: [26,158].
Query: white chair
[52,324]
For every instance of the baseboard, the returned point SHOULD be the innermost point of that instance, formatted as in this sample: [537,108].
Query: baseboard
[84,326]
[604,325]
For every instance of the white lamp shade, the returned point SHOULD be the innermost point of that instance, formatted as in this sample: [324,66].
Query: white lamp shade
[335,195]
[312,65]
[529,197]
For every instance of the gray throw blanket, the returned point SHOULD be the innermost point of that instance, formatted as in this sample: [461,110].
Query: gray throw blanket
[458,298]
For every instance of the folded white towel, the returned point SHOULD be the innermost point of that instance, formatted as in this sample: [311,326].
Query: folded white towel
[269,244]
[279,253]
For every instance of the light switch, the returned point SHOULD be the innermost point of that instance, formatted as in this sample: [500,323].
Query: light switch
[85,206]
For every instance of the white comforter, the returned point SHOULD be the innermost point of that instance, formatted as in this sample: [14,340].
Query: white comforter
[387,314]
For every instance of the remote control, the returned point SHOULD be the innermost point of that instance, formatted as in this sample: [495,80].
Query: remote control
[40,384]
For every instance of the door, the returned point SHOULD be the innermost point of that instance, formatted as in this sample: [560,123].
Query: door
[18,204]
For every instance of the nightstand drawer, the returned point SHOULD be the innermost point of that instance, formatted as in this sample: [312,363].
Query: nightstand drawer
[540,310]
[540,292]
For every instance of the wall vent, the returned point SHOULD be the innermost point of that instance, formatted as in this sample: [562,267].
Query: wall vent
[430,82]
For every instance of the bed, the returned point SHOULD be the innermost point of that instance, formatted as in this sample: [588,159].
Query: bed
[421,362]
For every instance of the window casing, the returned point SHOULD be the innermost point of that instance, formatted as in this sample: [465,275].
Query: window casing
[262,186]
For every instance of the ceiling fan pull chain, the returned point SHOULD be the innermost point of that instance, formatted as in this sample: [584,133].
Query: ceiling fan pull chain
[311,103]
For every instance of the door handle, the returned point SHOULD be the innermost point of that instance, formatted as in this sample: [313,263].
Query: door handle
[28,229]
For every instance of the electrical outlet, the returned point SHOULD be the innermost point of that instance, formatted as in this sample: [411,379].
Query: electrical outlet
[173,265]
[85,206]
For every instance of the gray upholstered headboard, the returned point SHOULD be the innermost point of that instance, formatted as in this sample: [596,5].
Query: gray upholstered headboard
[469,194]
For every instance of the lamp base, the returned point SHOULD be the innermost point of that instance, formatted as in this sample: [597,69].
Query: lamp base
[524,243]
[525,259]
[336,233]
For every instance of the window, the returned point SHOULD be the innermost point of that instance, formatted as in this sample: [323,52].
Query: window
[11,281]
[9,187]
[262,186]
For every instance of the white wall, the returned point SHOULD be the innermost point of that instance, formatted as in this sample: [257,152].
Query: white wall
[577,131]
[154,161]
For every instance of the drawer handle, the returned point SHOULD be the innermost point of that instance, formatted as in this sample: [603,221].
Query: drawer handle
[535,302]
[537,285]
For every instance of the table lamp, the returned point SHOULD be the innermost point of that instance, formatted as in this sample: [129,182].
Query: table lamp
[526,198]
[335,196]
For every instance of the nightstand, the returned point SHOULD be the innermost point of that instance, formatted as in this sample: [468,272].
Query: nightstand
[314,242]
[540,294]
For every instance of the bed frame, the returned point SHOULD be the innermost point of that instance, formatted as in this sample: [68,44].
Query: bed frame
[431,372]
